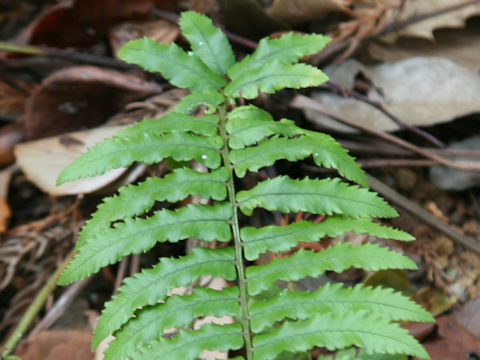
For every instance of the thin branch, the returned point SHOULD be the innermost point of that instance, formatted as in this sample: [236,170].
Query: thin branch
[303,102]
[418,18]
[352,93]
[63,302]
[35,307]
[394,197]
[377,163]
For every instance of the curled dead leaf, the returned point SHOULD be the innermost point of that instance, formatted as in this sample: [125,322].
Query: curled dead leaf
[43,160]
[56,344]
[81,22]
[295,12]
[161,31]
[81,97]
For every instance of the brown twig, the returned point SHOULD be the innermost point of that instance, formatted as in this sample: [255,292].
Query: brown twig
[35,307]
[383,148]
[303,102]
[394,197]
[122,269]
[376,163]
[62,303]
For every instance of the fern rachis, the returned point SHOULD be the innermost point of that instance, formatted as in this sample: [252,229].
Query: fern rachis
[231,141]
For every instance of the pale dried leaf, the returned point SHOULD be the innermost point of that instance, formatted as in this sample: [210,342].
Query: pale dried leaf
[43,160]
[454,179]
[420,91]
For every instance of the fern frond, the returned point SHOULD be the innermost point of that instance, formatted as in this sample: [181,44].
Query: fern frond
[134,236]
[283,238]
[372,333]
[273,76]
[326,196]
[150,323]
[289,48]
[181,69]
[201,125]
[134,200]
[231,140]
[336,258]
[210,99]
[208,42]
[152,285]
[335,299]
[188,345]
[249,124]
[147,148]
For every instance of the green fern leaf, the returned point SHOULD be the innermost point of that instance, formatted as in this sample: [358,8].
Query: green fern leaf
[283,238]
[326,196]
[336,258]
[134,236]
[374,334]
[201,125]
[248,124]
[274,76]
[152,285]
[335,299]
[135,200]
[330,154]
[210,99]
[150,323]
[188,345]
[208,42]
[148,148]
[353,353]
[181,69]
[289,48]
[326,152]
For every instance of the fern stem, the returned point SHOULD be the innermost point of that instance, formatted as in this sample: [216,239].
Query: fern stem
[242,281]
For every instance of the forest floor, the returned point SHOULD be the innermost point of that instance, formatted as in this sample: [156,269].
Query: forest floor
[403,98]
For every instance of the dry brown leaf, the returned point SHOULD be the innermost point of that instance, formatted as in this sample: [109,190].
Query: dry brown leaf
[10,135]
[5,211]
[56,345]
[452,341]
[296,12]
[469,316]
[82,22]
[43,160]
[424,28]
[249,19]
[13,99]
[81,97]
[161,31]
[419,91]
